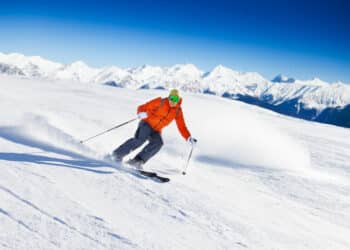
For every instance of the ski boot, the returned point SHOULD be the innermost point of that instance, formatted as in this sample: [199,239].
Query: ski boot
[137,163]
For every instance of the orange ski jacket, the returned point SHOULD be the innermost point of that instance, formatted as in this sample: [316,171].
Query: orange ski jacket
[160,115]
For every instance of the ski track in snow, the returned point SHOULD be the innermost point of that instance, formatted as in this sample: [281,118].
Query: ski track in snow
[61,222]
[257,180]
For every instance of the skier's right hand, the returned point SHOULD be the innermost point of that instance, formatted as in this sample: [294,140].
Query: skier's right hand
[192,140]
[142,115]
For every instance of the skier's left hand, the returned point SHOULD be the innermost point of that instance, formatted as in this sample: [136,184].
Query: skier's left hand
[192,140]
[142,115]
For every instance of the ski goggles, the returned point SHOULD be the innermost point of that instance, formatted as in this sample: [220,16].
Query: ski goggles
[174,98]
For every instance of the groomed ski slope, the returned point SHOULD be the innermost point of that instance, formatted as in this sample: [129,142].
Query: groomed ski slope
[257,180]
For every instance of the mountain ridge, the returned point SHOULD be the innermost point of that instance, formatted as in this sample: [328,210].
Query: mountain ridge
[297,96]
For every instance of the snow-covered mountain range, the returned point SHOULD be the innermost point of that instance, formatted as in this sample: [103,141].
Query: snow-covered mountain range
[311,99]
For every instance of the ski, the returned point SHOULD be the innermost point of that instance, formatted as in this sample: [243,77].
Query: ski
[154,175]
[136,172]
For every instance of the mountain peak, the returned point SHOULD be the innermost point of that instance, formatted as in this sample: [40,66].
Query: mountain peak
[283,79]
[221,71]
[315,81]
[221,68]
[79,63]
[188,68]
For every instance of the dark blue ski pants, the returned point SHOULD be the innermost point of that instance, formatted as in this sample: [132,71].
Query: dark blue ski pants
[143,133]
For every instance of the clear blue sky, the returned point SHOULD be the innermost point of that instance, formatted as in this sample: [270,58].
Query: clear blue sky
[303,39]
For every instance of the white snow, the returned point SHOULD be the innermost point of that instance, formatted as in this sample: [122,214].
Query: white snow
[257,180]
[222,79]
[314,95]
[32,65]
[186,77]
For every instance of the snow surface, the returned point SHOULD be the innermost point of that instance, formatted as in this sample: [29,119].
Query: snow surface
[185,76]
[257,180]
[314,94]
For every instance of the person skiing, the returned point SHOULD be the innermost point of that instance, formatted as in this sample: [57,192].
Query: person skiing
[154,115]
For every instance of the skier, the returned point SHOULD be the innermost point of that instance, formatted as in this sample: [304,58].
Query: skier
[154,115]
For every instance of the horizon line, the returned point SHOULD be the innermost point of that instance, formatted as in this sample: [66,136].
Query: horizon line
[169,66]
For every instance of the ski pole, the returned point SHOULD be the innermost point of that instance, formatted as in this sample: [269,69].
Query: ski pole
[122,124]
[188,161]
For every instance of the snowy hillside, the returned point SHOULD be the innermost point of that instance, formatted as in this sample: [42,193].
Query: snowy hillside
[314,94]
[311,99]
[257,180]
[219,81]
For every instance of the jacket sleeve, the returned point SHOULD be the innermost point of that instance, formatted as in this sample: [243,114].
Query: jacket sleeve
[180,122]
[148,106]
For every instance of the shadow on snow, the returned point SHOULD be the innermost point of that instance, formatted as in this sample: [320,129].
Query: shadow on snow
[77,161]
